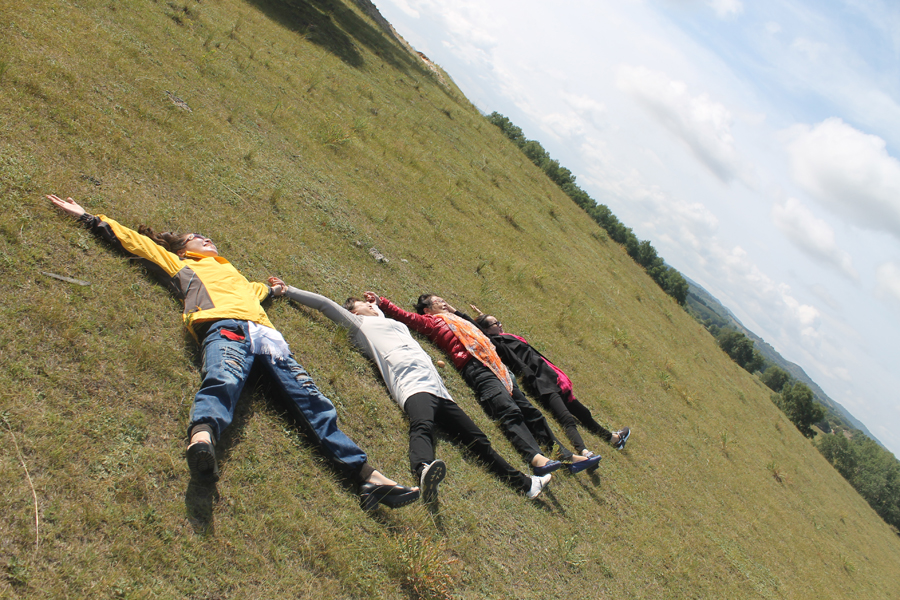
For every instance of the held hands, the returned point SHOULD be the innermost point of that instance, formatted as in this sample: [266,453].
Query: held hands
[68,206]
[372,297]
[278,286]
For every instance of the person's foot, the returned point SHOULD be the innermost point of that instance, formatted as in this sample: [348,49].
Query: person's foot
[393,496]
[432,475]
[547,467]
[537,486]
[201,460]
[587,453]
[620,437]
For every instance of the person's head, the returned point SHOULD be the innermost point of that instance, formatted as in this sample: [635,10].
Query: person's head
[430,304]
[181,243]
[489,324]
[361,307]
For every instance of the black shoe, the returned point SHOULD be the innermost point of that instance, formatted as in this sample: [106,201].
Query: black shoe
[201,460]
[393,496]
[432,475]
[623,434]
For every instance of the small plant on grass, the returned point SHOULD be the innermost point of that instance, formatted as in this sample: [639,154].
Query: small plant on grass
[776,471]
[620,338]
[425,569]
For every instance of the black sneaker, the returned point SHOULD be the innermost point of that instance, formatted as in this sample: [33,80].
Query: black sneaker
[432,475]
[201,460]
[623,434]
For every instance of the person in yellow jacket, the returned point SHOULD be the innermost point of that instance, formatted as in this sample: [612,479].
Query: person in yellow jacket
[223,312]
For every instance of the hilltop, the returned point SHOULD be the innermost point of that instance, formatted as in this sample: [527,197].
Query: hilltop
[300,136]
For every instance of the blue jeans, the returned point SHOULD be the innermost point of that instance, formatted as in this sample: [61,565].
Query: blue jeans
[226,366]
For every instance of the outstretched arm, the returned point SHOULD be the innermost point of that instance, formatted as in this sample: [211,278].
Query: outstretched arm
[327,307]
[120,237]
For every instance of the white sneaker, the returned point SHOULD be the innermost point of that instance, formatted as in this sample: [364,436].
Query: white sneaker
[537,485]
[432,475]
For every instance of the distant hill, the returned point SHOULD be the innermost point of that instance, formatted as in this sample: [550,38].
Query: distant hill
[710,311]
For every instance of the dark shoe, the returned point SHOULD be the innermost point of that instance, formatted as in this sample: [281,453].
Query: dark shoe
[432,475]
[578,467]
[201,460]
[393,496]
[623,434]
[548,468]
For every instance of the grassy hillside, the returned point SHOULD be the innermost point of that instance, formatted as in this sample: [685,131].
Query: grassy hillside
[298,137]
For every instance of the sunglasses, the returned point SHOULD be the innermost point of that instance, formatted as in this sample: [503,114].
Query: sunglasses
[197,236]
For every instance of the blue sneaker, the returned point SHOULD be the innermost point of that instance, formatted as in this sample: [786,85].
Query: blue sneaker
[578,467]
[551,466]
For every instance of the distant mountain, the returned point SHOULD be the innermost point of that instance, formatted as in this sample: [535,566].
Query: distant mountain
[709,311]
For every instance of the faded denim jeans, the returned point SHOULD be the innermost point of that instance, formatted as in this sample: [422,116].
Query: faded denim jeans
[226,366]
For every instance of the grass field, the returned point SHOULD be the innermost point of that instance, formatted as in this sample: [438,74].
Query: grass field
[298,136]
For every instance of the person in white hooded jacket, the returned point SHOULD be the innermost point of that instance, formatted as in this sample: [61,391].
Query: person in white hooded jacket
[416,386]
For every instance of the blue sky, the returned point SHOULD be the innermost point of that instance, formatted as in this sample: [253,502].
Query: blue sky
[756,145]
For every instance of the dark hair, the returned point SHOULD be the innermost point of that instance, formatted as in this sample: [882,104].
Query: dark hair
[350,303]
[423,303]
[173,242]
[480,319]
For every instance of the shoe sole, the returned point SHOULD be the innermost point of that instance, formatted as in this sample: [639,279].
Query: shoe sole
[432,479]
[202,463]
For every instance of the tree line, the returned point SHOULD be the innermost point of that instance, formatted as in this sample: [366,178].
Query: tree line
[870,469]
[642,252]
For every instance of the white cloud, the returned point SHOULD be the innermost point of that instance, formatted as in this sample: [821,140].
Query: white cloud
[726,8]
[812,50]
[848,171]
[811,235]
[888,278]
[405,7]
[702,124]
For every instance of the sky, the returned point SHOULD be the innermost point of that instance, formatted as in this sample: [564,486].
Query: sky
[755,144]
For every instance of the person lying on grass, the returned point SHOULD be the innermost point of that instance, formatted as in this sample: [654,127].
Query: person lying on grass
[223,312]
[475,357]
[547,383]
[417,388]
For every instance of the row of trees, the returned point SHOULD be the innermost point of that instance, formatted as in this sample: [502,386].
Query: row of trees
[642,252]
[793,397]
[870,469]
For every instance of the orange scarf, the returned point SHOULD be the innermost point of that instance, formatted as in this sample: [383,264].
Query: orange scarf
[479,346]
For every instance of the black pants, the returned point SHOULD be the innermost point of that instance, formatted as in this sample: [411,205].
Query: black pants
[556,405]
[426,409]
[524,425]
[583,414]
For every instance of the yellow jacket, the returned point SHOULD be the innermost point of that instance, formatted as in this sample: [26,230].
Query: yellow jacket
[210,287]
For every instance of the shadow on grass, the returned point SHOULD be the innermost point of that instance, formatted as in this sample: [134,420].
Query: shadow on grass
[198,503]
[331,25]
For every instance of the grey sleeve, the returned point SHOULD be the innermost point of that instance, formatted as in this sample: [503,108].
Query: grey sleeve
[329,308]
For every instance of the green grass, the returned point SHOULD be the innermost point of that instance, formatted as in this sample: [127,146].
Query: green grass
[311,138]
